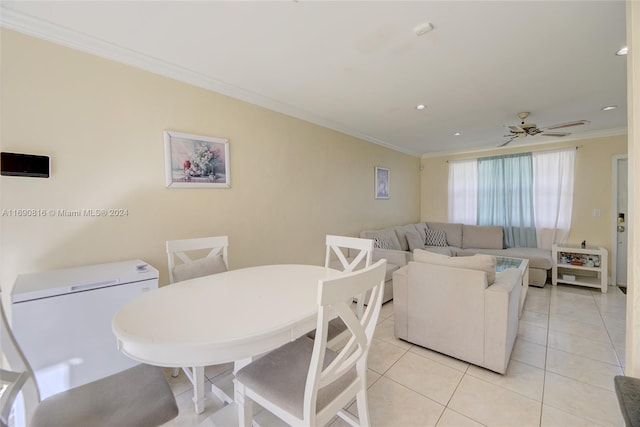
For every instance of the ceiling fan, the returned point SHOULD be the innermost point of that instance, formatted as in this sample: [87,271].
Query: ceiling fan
[531,129]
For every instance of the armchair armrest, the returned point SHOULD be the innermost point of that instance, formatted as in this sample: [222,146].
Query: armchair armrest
[401,302]
[502,300]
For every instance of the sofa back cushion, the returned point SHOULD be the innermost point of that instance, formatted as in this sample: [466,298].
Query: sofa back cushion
[383,239]
[401,232]
[486,263]
[482,237]
[415,240]
[453,232]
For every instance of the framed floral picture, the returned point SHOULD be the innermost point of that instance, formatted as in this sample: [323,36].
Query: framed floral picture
[196,161]
[382,183]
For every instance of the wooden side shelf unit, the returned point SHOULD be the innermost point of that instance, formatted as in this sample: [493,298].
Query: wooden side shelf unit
[575,265]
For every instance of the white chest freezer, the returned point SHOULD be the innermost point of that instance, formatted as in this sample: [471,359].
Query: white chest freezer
[62,320]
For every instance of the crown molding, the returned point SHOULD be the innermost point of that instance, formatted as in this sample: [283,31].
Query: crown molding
[26,24]
[580,137]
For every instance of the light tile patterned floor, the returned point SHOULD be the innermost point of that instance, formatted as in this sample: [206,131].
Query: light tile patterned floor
[570,346]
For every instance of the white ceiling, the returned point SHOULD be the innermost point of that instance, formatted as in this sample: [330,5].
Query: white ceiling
[358,66]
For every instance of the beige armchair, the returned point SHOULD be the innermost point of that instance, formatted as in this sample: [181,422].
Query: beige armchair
[458,311]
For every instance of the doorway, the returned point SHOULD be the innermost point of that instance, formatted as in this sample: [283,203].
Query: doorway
[620,221]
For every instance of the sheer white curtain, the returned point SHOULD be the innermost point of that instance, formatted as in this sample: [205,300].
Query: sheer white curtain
[553,195]
[463,191]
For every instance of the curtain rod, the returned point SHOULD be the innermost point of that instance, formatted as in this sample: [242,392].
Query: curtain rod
[523,152]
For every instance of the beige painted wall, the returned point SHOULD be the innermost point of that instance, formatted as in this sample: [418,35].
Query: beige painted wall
[592,189]
[102,122]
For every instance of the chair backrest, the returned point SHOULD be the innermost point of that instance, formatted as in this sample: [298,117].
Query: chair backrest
[179,248]
[335,244]
[332,299]
[16,377]
[364,248]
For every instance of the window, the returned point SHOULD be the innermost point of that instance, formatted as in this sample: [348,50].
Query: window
[529,194]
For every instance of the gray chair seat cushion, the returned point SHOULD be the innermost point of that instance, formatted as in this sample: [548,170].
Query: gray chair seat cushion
[136,397]
[281,376]
[336,327]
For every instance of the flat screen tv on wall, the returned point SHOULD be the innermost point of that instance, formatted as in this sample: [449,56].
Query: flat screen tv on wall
[15,164]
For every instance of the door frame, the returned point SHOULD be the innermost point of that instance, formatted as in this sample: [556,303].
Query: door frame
[613,260]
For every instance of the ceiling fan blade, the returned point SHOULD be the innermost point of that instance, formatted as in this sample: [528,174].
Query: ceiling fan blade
[566,125]
[556,134]
[516,129]
[508,141]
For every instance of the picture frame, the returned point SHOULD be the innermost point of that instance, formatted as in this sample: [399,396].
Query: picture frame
[381,183]
[196,161]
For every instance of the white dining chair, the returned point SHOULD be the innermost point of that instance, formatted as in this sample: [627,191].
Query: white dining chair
[358,255]
[136,397]
[215,261]
[183,266]
[305,383]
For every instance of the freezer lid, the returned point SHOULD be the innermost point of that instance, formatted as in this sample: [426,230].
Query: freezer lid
[78,279]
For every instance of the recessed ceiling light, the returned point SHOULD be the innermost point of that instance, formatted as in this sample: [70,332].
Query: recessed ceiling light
[609,107]
[623,51]
[421,107]
[423,28]
[456,134]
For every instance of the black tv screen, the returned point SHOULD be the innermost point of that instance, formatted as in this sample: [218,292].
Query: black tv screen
[14,164]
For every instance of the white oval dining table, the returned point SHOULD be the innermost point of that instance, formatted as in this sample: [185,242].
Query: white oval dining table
[226,317]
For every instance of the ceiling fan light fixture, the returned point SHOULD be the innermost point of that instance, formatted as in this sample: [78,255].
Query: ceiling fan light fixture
[420,107]
[456,134]
[623,51]
[609,107]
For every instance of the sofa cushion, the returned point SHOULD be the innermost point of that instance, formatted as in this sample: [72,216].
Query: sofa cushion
[415,240]
[482,237]
[444,250]
[453,232]
[436,238]
[538,257]
[486,263]
[401,232]
[198,268]
[422,228]
[383,239]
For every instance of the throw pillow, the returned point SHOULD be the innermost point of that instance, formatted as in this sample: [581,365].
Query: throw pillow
[401,232]
[383,239]
[436,238]
[199,268]
[415,240]
[383,242]
[486,263]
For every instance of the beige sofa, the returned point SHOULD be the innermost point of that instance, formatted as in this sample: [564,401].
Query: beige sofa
[460,240]
[459,311]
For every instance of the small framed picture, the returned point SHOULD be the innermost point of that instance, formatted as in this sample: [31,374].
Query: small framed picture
[382,183]
[195,161]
